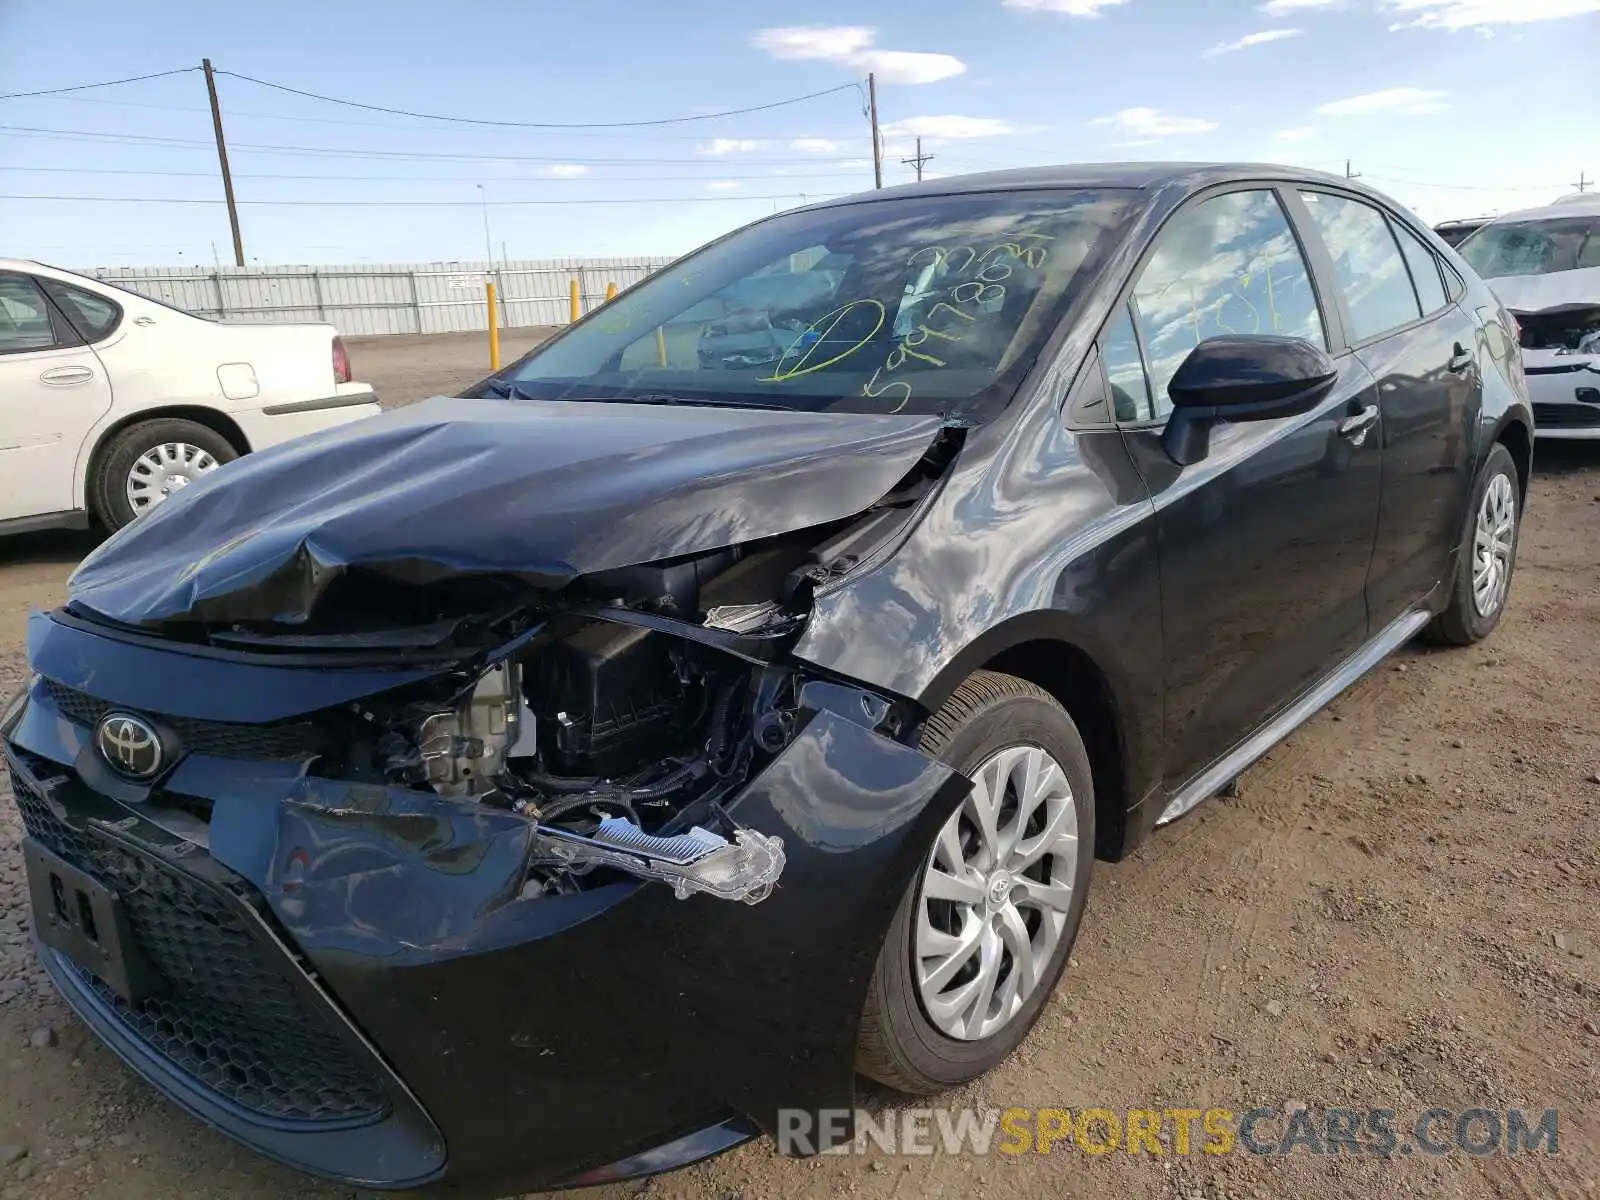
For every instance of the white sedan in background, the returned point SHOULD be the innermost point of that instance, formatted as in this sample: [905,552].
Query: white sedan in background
[110,401]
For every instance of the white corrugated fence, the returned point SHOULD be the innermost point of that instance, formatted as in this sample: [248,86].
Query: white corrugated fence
[438,297]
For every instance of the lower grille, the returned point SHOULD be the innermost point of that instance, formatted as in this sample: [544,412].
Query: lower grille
[225,739]
[1565,416]
[226,1017]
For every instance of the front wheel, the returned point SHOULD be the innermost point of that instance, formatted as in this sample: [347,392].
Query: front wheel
[1482,581]
[984,930]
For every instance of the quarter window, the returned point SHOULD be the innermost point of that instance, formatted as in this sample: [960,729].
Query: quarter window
[1223,266]
[94,317]
[1376,285]
[1130,390]
[1424,270]
[24,317]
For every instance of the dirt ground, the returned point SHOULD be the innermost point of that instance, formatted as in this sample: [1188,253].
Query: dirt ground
[1397,910]
[408,369]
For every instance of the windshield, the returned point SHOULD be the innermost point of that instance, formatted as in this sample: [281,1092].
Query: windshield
[1540,247]
[930,304]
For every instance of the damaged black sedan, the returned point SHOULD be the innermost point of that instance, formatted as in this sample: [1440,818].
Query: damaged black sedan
[575,778]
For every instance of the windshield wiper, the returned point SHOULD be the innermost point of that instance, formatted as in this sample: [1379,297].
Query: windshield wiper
[667,398]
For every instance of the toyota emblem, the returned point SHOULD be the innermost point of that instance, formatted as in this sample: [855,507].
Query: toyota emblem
[130,746]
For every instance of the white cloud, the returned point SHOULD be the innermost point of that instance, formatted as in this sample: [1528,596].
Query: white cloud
[815,145]
[1280,8]
[949,127]
[1404,101]
[814,41]
[724,185]
[1071,8]
[853,46]
[718,147]
[905,66]
[568,170]
[1298,134]
[1481,14]
[1151,123]
[1253,39]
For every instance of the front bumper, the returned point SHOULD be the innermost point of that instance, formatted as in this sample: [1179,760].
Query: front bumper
[1565,390]
[514,1043]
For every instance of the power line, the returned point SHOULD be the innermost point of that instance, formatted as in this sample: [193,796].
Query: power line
[343,152]
[1468,187]
[400,112]
[83,87]
[262,116]
[606,179]
[429,203]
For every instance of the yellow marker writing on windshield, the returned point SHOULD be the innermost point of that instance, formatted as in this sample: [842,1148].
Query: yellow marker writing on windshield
[822,327]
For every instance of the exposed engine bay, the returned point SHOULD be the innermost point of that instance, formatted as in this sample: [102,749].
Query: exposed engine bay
[618,714]
[1573,328]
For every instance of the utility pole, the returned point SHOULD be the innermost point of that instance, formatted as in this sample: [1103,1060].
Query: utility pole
[877,138]
[488,244]
[1348,173]
[222,157]
[1583,182]
[919,160]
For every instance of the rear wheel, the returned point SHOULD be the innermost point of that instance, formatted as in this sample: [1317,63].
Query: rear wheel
[149,461]
[1482,580]
[984,930]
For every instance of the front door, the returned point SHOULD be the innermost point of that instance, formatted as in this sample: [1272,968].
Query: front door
[1265,543]
[1422,349]
[52,391]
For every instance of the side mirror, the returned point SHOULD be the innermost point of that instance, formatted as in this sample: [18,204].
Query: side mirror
[1242,377]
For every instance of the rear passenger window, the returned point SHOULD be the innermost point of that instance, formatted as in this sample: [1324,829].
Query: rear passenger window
[1376,285]
[24,316]
[1225,265]
[94,317]
[1119,350]
[1424,270]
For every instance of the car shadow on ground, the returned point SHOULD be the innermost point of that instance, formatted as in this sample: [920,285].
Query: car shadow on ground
[1565,457]
[53,546]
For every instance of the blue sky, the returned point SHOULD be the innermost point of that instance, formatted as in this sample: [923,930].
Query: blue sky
[1456,107]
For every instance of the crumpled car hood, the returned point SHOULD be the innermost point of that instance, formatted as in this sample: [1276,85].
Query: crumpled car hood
[1536,293]
[543,491]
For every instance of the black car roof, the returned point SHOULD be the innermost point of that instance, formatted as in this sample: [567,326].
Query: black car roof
[1143,176]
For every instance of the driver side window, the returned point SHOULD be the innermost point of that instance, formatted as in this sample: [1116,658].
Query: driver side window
[1225,265]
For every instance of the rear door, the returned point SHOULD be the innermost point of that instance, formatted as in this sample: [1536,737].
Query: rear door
[52,391]
[1422,350]
[1265,543]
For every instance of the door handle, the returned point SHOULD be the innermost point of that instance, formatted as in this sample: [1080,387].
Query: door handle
[1355,426]
[1460,361]
[65,376]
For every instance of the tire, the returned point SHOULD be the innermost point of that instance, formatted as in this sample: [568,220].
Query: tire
[109,474]
[900,1044]
[1464,621]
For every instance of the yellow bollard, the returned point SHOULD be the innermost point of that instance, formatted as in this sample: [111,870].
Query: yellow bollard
[577,303]
[611,292]
[661,346]
[494,328]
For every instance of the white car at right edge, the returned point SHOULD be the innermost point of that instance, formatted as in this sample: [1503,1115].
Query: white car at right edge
[1544,265]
